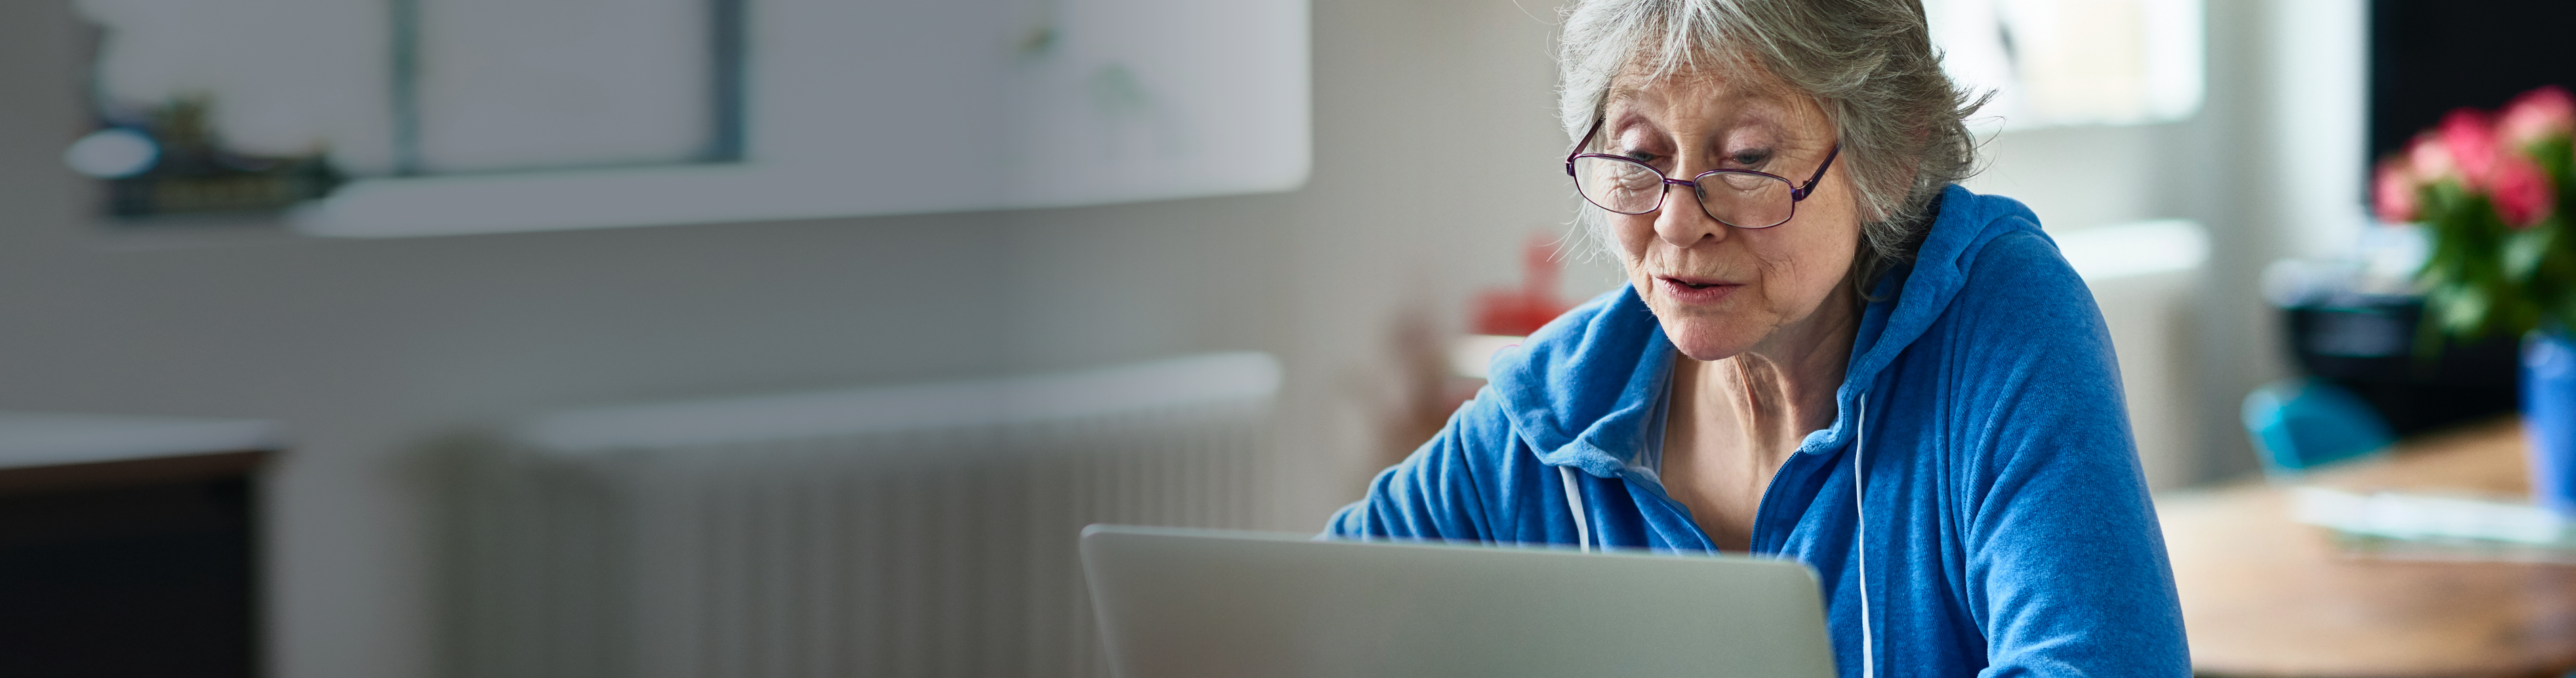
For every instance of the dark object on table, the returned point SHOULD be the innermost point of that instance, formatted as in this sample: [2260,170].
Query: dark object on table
[151,579]
[2366,344]
[129,545]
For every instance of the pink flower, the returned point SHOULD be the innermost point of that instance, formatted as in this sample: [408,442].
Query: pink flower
[2536,115]
[2521,192]
[2429,159]
[2471,137]
[2392,192]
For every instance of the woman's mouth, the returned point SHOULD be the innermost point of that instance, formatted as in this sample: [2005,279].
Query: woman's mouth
[1695,290]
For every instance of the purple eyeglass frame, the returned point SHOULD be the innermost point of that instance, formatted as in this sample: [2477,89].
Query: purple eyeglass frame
[1797,192]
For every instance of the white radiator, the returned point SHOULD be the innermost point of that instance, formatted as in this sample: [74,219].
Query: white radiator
[906,531]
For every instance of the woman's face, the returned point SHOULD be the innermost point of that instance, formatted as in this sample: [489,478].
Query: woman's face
[1721,290]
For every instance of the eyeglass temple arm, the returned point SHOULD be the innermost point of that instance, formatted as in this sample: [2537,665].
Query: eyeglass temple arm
[1796,195]
[1578,146]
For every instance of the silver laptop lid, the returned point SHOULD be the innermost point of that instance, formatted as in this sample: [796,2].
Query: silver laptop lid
[1177,603]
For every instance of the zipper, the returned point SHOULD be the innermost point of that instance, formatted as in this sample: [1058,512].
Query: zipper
[1674,509]
[1762,512]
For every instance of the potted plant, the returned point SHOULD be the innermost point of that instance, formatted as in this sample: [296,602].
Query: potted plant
[2493,194]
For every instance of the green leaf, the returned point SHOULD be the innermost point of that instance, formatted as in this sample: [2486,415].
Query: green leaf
[2523,251]
[2481,277]
[2462,311]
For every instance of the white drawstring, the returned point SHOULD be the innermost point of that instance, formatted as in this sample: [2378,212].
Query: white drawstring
[1860,514]
[1574,505]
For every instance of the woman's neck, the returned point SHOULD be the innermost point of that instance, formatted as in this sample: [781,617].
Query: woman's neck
[1735,420]
[1778,391]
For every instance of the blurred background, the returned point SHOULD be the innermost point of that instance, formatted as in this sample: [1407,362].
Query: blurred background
[795,337]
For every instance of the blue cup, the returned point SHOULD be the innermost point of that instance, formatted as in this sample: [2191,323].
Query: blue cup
[2549,418]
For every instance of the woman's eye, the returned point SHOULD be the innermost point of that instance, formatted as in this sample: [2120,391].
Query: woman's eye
[1750,158]
[1639,156]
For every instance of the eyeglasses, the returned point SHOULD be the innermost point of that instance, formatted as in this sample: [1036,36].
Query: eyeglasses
[1743,199]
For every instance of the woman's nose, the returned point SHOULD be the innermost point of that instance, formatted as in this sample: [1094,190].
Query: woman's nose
[1683,222]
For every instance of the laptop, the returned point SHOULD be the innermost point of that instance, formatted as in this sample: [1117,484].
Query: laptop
[1184,603]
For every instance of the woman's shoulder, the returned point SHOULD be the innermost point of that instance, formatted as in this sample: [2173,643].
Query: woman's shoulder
[1986,265]
[2022,350]
[1590,376]
[1608,334]
[2016,286]
[2016,310]
[2024,266]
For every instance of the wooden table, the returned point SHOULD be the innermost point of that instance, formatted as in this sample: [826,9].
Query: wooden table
[2263,596]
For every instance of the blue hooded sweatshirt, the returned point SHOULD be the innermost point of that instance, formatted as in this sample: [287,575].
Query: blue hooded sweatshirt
[2007,527]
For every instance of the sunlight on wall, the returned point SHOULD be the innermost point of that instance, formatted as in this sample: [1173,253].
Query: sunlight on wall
[2075,62]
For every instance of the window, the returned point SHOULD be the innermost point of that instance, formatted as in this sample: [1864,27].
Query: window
[2075,62]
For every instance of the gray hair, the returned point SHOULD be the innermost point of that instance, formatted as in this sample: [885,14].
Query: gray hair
[1868,63]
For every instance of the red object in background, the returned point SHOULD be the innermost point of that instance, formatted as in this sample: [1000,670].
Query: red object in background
[2520,191]
[2471,136]
[2537,115]
[1522,311]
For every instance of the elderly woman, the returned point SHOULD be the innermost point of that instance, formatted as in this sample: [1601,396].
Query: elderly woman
[1825,351]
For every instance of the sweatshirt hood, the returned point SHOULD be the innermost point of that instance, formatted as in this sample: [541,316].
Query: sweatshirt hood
[1583,389]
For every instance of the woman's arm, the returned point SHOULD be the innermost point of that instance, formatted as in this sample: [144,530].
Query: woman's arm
[2066,567]
[1434,493]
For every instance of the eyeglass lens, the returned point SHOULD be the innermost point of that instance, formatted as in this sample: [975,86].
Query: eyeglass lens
[1740,199]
